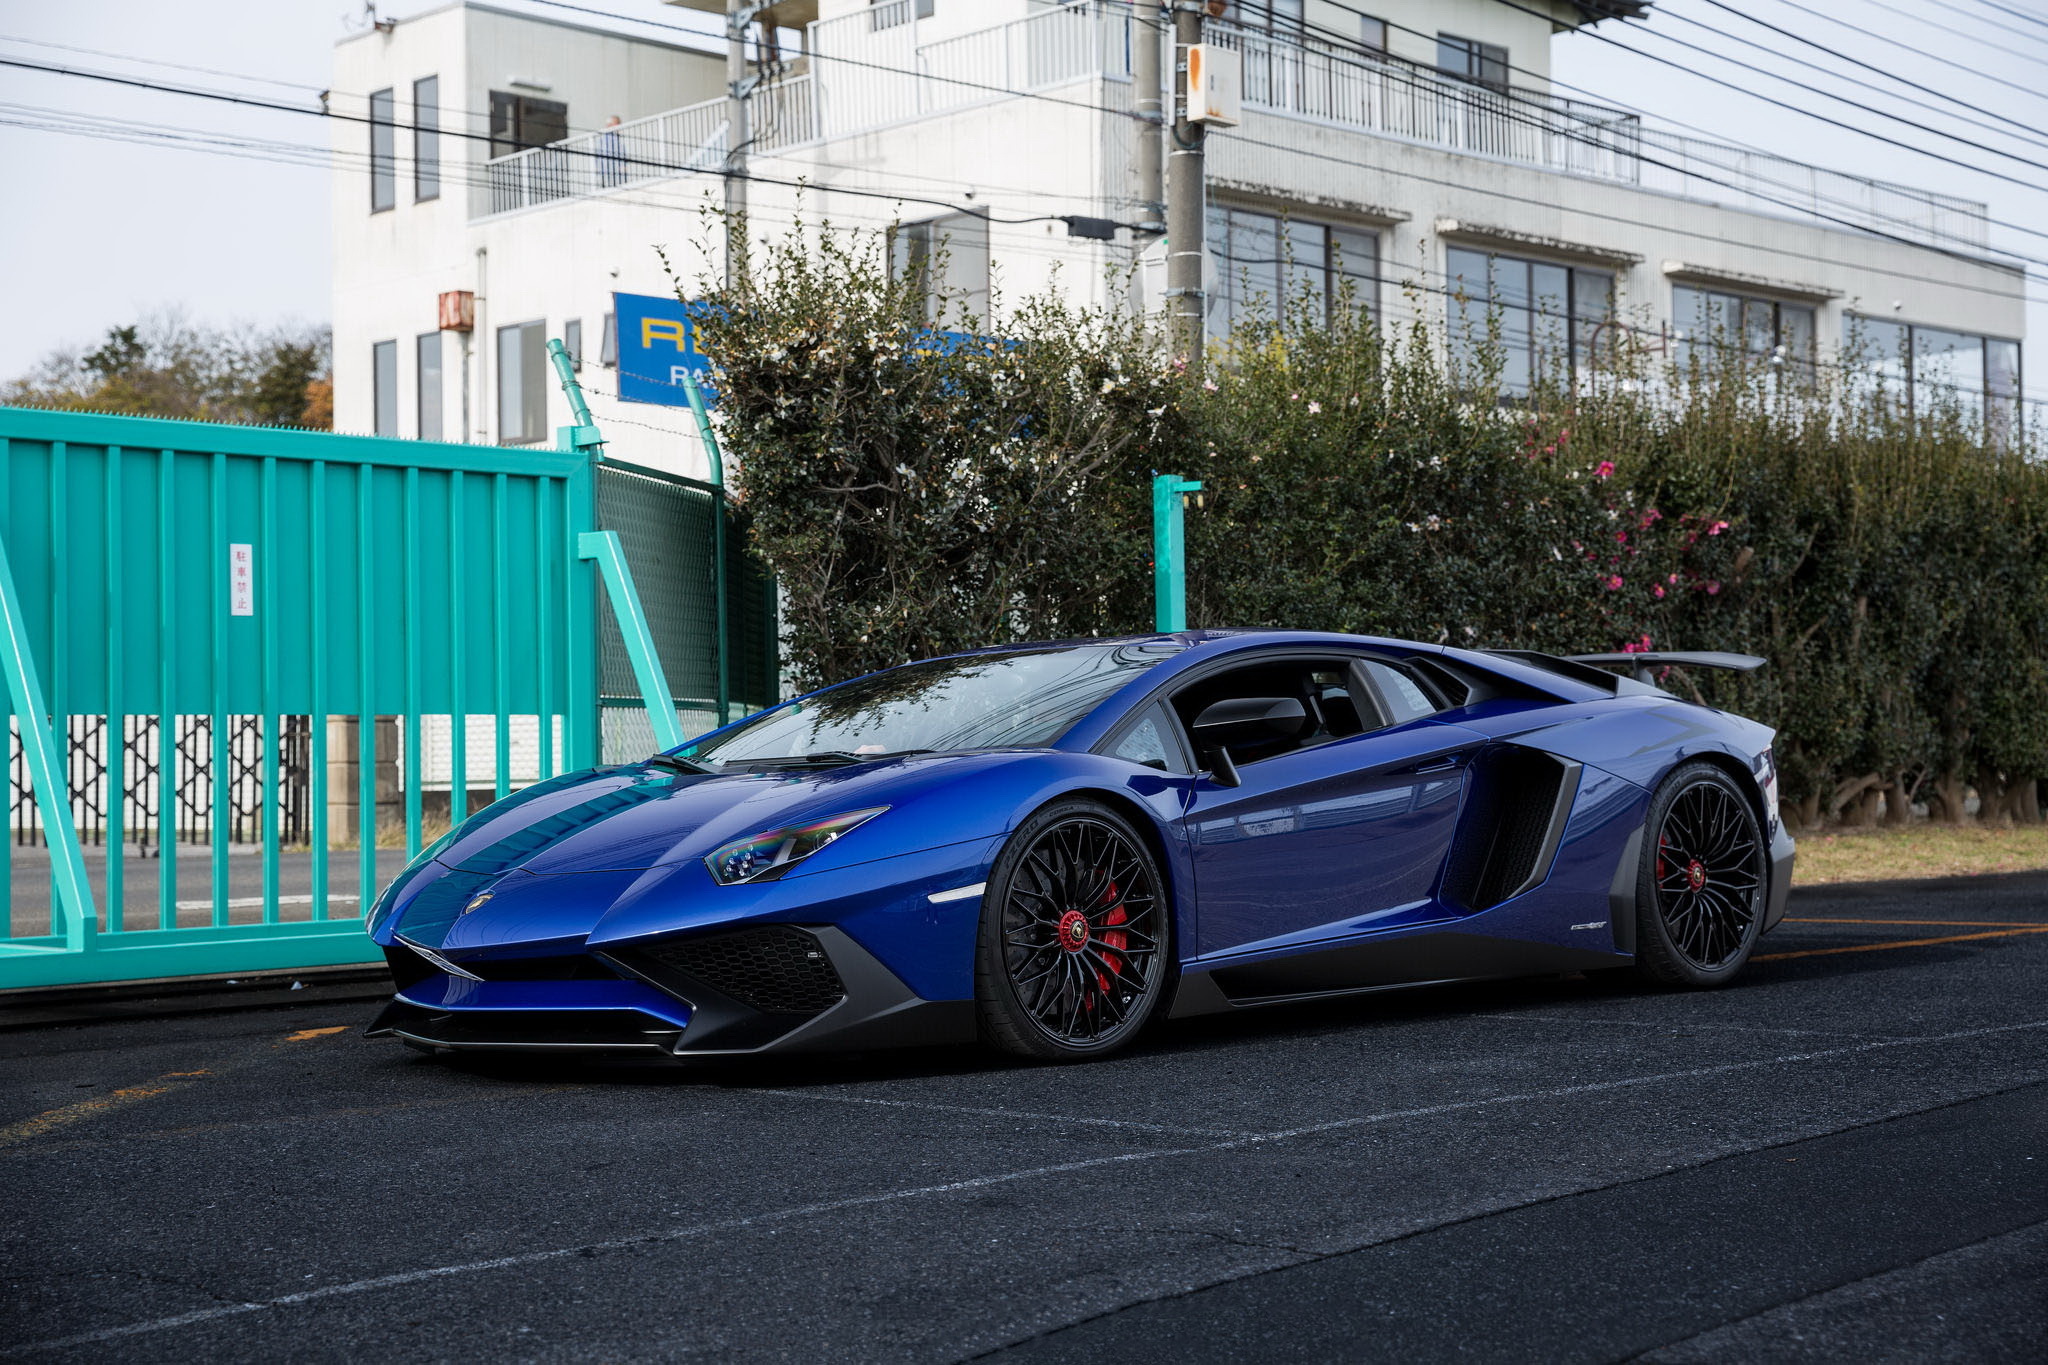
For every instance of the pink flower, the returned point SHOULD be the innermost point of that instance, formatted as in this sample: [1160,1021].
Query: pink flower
[1641,646]
[1209,386]
[1649,519]
[1613,582]
[1657,590]
[1717,528]
[1604,470]
[1314,406]
[1294,398]
[1713,586]
[1621,537]
[1671,578]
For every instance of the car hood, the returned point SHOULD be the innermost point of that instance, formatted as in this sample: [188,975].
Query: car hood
[641,816]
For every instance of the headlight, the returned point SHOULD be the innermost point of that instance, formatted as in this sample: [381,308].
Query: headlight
[759,857]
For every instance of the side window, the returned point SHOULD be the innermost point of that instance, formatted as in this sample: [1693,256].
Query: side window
[1263,710]
[1400,695]
[1152,741]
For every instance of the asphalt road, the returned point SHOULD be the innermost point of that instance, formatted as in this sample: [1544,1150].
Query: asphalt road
[1843,1157]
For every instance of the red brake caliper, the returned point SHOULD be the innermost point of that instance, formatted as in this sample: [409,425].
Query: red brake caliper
[1112,938]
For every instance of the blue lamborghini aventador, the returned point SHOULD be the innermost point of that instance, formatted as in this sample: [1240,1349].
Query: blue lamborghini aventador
[1049,846]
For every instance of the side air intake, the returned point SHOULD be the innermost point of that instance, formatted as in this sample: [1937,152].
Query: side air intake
[1515,810]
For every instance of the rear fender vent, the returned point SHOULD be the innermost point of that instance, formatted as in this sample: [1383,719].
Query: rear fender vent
[1515,809]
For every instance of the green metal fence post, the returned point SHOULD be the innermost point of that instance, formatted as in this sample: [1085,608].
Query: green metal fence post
[717,460]
[584,435]
[39,747]
[1169,551]
[604,547]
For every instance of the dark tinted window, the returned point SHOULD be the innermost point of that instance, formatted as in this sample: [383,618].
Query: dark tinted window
[982,701]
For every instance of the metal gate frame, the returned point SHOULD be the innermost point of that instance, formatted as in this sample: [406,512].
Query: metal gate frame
[129,544]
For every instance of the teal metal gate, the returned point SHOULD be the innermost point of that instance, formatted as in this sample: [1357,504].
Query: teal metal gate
[273,665]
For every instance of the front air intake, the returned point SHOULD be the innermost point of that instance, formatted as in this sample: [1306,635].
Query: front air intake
[773,968]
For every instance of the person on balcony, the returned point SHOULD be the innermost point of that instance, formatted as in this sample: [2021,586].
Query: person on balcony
[611,155]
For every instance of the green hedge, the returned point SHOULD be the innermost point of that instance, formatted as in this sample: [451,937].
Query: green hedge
[917,493]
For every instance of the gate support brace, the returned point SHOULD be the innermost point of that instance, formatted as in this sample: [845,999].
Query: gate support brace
[604,547]
[39,746]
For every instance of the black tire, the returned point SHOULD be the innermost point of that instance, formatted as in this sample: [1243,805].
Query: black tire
[1076,945]
[1700,889]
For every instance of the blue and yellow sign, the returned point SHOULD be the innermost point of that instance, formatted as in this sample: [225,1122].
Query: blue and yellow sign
[657,345]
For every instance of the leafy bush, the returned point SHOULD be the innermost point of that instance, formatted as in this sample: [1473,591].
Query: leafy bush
[920,488]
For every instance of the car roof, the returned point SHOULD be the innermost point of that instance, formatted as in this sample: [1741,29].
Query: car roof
[1193,639]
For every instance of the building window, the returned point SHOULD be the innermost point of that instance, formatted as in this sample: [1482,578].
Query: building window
[1275,16]
[384,388]
[1934,368]
[889,13]
[1471,60]
[427,348]
[572,342]
[1709,324]
[521,121]
[608,342]
[383,152]
[1265,263]
[522,383]
[426,138]
[1372,33]
[946,261]
[1538,316]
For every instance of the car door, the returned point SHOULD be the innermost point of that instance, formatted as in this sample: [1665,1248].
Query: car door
[1345,830]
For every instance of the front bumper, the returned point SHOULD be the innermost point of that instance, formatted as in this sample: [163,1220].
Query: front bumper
[752,990]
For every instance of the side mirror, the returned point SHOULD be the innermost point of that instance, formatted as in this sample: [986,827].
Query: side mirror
[1223,771]
[1238,722]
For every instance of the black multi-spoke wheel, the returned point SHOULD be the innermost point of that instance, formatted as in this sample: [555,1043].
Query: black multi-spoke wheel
[1700,894]
[1075,935]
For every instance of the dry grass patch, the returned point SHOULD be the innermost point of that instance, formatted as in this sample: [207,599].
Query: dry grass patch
[1870,855]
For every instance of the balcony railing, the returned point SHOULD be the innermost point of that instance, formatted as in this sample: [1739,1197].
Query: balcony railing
[875,67]
[679,142]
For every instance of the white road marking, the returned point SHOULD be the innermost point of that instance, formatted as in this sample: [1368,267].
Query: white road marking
[976,1183]
[997,1113]
[241,902]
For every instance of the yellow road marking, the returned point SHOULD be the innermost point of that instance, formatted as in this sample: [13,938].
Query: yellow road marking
[1959,923]
[1901,943]
[52,1119]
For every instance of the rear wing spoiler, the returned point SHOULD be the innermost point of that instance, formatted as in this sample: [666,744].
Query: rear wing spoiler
[1641,665]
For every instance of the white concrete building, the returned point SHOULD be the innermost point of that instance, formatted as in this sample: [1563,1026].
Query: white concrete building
[1415,146]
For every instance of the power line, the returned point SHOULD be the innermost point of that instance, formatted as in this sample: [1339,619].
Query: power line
[1345,45]
[619,159]
[1988,42]
[2028,133]
[902,197]
[1379,61]
[1788,105]
[1974,72]
[2015,13]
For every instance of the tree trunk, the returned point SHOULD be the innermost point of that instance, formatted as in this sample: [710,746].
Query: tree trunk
[2027,801]
[1808,810]
[1898,801]
[1945,799]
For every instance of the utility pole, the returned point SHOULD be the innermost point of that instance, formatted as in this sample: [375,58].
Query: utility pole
[1184,196]
[738,14]
[1149,86]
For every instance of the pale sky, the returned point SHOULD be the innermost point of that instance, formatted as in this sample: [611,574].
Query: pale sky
[100,231]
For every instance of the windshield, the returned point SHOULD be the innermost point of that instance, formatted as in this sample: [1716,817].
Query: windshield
[982,701]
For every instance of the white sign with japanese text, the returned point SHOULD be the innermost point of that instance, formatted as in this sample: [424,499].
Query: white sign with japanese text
[241,580]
